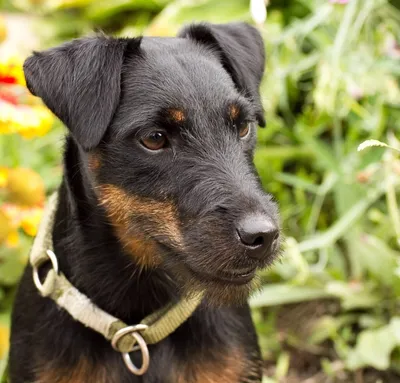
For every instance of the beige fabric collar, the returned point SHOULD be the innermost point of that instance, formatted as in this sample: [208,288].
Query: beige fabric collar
[124,338]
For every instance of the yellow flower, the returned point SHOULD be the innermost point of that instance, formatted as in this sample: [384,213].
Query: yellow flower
[3,177]
[13,214]
[25,187]
[4,340]
[28,121]
[3,29]
[40,122]
[11,72]
[12,239]
[5,226]
[13,217]
[7,111]
[30,221]
[10,217]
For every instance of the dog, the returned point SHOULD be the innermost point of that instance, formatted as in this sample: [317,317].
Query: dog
[159,200]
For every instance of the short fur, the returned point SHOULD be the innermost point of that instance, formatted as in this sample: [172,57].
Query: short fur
[137,229]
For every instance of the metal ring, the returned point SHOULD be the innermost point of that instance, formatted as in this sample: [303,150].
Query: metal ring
[142,346]
[54,262]
[145,356]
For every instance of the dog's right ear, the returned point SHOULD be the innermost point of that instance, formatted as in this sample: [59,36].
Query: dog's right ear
[80,82]
[240,49]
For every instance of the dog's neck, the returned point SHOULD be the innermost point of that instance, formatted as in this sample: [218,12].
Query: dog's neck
[91,257]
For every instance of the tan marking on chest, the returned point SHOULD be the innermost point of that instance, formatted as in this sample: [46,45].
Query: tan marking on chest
[231,366]
[83,372]
[133,217]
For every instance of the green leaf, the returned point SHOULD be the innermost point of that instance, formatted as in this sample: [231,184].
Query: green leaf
[362,300]
[340,227]
[282,366]
[182,12]
[370,143]
[374,347]
[279,294]
[266,379]
[282,153]
[322,151]
[353,295]
[11,268]
[297,182]
[376,257]
[103,9]
[327,327]
[4,370]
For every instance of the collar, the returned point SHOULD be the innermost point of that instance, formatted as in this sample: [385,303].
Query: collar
[124,338]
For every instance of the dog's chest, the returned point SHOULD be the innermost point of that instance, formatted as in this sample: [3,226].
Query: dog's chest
[226,365]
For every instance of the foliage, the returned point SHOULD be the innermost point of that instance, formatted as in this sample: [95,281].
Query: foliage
[332,82]
[25,144]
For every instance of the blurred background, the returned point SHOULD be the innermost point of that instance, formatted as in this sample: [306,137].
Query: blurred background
[330,310]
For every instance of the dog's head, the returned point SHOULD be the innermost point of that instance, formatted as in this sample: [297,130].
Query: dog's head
[167,130]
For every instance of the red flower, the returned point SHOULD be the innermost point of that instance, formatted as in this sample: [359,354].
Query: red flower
[8,97]
[4,79]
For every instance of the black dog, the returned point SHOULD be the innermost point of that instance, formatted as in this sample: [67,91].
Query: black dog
[159,199]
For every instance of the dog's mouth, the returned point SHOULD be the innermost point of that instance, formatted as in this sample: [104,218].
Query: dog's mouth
[236,277]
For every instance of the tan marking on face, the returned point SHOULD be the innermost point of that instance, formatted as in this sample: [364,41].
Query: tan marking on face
[177,115]
[234,111]
[229,366]
[144,250]
[135,219]
[94,161]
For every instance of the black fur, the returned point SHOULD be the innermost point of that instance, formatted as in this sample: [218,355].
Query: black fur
[241,52]
[111,93]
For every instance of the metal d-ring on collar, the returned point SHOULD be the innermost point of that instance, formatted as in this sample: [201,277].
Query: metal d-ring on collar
[141,345]
[52,257]
[128,330]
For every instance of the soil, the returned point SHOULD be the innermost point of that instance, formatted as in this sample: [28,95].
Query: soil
[305,365]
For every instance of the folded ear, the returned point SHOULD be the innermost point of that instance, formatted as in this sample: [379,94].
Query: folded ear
[80,82]
[241,51]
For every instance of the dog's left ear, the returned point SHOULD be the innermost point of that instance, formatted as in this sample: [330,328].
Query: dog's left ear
[80,82]
[241,51]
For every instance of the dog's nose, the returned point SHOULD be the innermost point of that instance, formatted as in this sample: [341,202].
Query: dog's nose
[259,234]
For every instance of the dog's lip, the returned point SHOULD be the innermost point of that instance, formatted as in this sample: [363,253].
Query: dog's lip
[237,277]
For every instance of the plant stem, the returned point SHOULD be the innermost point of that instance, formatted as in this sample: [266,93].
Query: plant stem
[391,200]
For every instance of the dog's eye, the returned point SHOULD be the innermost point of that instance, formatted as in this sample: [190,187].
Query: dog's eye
[154,141]
[245,130]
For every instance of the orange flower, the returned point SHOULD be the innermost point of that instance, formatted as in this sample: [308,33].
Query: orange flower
[31,220]
[25,187]
[13,217]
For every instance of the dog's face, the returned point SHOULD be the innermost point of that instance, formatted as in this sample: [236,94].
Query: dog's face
[167,128]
